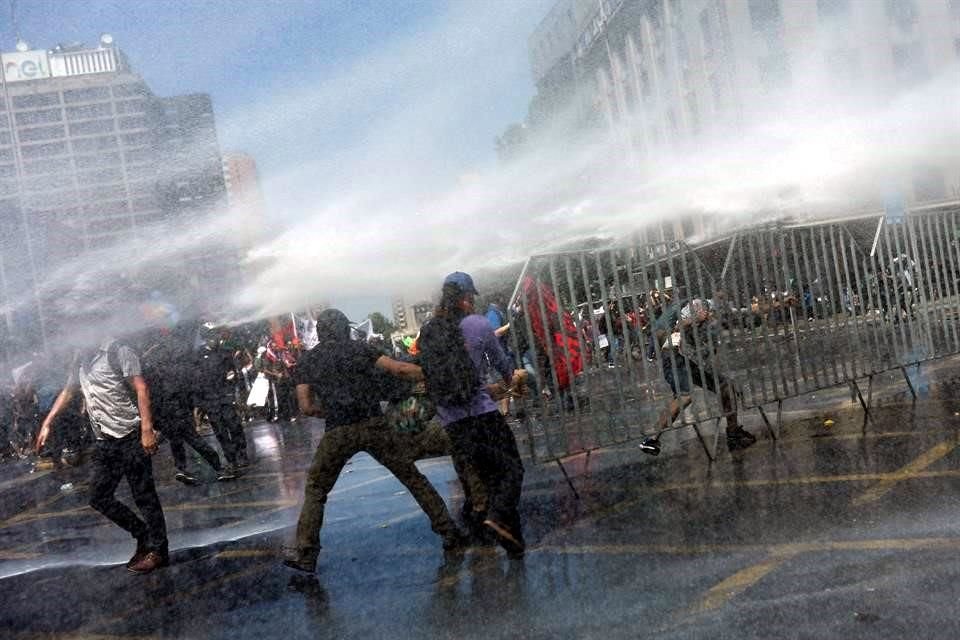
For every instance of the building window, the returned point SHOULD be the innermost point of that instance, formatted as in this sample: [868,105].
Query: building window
[136,139]
[903,13]
[765,14]
[833,9]
[955,8]
[90,94]
[133,122]
[706,29]
[89,111]
[693,113]
[956,46]
[43,150]
[673,125]
[51,165]
[101,160]
[38,117]
[775,71]
[688,228]
[42,133]
[143,154]
[100,176]
[130,90]
[36,100]
[91,126]
[87,145]
[131,106]
[4,137]
[716,88]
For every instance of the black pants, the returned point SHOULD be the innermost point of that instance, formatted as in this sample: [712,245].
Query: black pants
[487,445]
[228,429]
[174,418]
[286,399]
[113,460]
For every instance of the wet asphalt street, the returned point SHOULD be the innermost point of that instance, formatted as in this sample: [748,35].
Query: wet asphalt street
[848,531]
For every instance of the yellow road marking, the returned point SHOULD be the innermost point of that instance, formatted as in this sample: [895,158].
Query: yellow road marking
[736,584]
[707,485]
[17,555]
[782,550]
[905,473]
[31,635]
[247,553]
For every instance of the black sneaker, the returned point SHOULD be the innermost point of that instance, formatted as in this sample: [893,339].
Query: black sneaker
[186,478]
[226,474]
[650,446]
[739,439]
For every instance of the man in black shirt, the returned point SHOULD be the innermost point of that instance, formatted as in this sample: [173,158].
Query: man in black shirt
[214,395]
[343,375]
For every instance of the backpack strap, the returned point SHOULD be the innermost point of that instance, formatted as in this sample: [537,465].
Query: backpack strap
[113,359]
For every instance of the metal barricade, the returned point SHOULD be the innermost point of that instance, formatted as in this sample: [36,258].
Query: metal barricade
[763,315]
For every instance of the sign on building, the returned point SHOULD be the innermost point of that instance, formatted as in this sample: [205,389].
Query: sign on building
[26,65]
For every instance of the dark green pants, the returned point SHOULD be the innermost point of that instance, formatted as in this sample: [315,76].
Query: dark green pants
[394,451]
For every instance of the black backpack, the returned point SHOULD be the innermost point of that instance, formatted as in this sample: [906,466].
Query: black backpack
[450,375]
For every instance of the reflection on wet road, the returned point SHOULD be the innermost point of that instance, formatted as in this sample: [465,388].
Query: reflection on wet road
[843,531]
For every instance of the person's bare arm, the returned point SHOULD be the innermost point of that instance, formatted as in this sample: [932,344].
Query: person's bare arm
[400,369]
[61,403]
[305,402]
[148,437]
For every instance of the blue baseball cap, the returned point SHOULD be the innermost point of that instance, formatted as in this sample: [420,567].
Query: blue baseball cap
[463,281]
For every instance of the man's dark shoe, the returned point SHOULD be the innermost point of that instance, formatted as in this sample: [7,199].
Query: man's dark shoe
[138,555]
[301,560]
[651,446]
[511,542]
[242,460]
[149,562]
[739,439]
[226,474]
[186,478]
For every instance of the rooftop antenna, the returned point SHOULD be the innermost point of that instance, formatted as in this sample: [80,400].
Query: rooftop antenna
[21,45]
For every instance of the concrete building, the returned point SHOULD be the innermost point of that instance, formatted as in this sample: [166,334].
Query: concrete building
[658,75]
[245,196]
[89,156]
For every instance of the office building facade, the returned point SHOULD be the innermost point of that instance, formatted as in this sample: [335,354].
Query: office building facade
[90,156]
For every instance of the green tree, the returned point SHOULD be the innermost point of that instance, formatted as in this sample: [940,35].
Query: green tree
[382,325]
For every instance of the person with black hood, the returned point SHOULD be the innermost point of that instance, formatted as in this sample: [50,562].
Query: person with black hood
[455,345]
[213,392]
[167,365]
[338,380]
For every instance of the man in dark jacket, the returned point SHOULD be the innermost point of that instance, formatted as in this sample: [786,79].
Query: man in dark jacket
[167,367]
[213,391]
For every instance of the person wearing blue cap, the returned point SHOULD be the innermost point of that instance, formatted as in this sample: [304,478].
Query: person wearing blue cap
[455,345]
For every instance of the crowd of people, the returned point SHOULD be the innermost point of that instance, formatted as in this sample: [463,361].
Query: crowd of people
[115,403]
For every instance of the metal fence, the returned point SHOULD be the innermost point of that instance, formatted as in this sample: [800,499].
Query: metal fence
[792,309]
